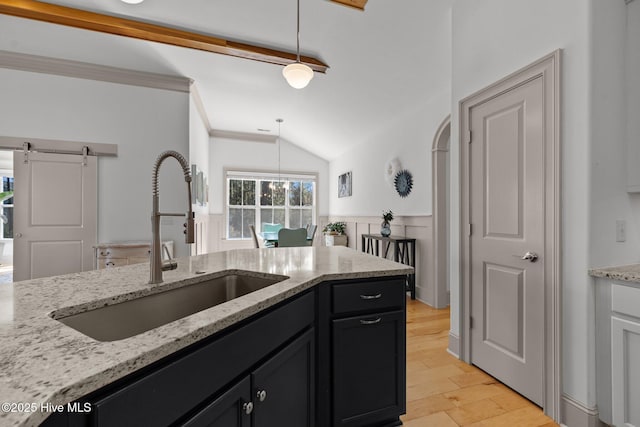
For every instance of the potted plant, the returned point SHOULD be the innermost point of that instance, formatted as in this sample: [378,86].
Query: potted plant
[385,227]
[334,234]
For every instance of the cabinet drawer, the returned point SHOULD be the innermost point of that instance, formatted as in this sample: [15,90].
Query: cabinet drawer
[112,262]
[368,295]
[140,251]
[625,300]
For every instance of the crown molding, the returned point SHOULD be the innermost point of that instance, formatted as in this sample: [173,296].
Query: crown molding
[243,136]
[93,21]
[85,70]
[197,100]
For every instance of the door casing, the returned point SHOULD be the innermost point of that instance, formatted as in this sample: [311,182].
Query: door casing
[547,68]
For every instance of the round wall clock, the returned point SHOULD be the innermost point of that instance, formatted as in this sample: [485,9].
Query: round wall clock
[403,183]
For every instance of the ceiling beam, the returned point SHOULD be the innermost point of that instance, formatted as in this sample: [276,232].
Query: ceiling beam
[94,21]
[356,4]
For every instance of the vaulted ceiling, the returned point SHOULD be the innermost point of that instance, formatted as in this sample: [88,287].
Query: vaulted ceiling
[384,62]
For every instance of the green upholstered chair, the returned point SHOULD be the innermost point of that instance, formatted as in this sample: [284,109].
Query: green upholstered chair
[289,237]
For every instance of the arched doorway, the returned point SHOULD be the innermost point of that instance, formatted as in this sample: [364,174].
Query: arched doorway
[440,203]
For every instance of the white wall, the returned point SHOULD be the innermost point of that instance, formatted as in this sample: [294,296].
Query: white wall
[256,156]
[610,200]
[491,39]
[407,135]
[262,156]
[633,110]
[141,121]
[408,138]
[199,155]
[198,147]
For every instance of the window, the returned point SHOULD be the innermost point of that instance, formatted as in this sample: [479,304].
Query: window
[260,198]
[6,209]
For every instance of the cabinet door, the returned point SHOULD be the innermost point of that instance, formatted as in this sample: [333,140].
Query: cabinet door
[232,409]
[283,387]
[368,369]
[625,372]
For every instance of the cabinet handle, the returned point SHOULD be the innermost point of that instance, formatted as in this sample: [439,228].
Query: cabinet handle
[247,408]
[104,253]
[371,296]
[261,395]
[370,322]
[109,264]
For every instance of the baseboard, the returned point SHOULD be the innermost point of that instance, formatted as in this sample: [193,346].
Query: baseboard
[575,414]
[454,345]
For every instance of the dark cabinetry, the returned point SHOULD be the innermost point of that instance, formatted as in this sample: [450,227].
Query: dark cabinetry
[232,409]
[212,373]
[333,356]
[368,369]
[362,373]
[280,392]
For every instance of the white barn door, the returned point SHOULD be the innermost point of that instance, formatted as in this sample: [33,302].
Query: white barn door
[55,214]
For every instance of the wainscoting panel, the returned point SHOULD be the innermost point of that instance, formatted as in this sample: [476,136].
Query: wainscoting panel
[418,227]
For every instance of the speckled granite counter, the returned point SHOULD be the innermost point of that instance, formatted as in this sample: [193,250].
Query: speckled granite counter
[43,361]
[626,273]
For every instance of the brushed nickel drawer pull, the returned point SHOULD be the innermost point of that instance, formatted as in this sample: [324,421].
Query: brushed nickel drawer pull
[370,322]
[371,296]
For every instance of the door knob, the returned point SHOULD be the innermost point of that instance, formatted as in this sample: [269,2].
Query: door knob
[530,256]
[261,395]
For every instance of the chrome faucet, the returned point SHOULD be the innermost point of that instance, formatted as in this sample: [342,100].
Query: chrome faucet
[157,265]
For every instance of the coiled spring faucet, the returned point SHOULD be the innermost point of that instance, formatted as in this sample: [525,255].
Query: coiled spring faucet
[157,265]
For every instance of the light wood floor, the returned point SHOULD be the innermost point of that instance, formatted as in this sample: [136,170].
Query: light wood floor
[442,391]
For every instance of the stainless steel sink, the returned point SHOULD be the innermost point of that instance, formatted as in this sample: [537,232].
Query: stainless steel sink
[129,318]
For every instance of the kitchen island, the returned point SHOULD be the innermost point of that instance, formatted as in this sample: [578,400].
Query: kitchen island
[45,363]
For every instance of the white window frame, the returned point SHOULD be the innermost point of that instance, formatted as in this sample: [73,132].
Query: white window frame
[258,176]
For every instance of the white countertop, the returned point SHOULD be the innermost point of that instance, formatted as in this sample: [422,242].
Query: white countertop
[43,361]
[626,273]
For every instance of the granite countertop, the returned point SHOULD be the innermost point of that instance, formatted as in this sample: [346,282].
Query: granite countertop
[43,361]
[627,273]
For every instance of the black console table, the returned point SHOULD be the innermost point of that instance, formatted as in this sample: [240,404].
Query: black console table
[404,251]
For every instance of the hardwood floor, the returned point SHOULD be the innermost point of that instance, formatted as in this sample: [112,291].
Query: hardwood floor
[442,391]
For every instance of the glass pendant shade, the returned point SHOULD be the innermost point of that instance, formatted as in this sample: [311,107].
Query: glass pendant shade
[297,74]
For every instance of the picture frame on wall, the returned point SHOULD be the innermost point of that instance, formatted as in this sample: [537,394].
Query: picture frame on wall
[344,185]
[199,186]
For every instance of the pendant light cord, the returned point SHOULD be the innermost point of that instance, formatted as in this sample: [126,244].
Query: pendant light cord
[279,144]
[298,46]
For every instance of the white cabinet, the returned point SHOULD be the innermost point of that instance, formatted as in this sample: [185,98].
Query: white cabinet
[625,355]
[117,254]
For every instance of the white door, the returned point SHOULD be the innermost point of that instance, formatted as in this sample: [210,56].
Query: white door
[55,214]
[507,184]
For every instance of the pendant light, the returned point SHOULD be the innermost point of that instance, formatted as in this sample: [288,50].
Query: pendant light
[298,75]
